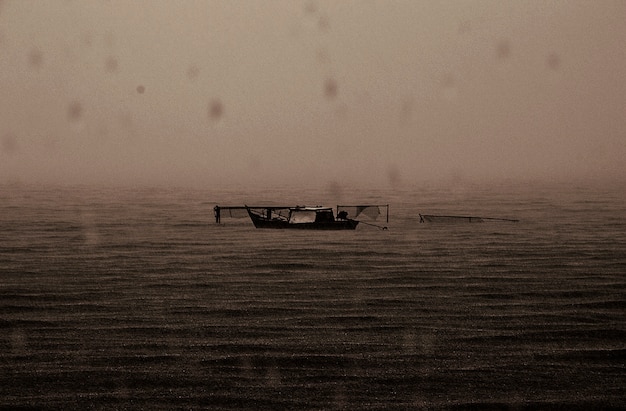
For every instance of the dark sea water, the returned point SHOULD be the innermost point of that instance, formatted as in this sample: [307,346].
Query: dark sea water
[135,299]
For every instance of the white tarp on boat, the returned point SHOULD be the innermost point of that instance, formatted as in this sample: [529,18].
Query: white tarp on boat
[302,216]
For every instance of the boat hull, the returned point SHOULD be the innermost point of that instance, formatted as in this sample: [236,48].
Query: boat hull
[260,222]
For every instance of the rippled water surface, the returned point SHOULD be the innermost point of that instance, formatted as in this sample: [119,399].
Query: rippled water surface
[136,299]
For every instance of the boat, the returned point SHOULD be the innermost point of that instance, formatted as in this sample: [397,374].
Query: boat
[307,218]
[302,217]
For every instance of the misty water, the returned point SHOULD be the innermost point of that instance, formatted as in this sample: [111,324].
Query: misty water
[136,299]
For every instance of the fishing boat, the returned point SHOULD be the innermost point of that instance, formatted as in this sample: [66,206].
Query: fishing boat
[302,217]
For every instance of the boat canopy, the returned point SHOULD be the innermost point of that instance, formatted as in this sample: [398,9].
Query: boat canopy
[308,208]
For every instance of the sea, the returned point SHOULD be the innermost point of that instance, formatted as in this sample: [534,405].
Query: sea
[134,298]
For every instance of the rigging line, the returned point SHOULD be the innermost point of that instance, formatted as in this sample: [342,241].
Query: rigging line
[374,225]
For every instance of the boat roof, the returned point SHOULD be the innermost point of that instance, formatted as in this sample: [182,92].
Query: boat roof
[292,208]
[307,208]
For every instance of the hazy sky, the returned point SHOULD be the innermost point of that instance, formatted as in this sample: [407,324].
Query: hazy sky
[267,92]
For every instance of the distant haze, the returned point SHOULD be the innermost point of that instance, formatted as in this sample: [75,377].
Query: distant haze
[320,92]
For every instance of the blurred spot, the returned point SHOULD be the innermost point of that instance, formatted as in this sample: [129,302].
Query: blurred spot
[272,377]
[393,175]
[413,342]
[90,230]
[409,342]
[456,177]
[503,50]
[340,399]
[330,88]
[35,58]
[103,131]
[216,110]
[247,368]
[406,109]
[426,343]
[323,23]
[18,341]
[140,89]
[87,39]
[126,120]
[310,7]
[52,142]
[553,61]
[109,40]
[254,163]
[74,111]
[9,144]
[465,27]
[335,190]
[111,64]
[341,111]
[322,56]
[448,87]
[193,72]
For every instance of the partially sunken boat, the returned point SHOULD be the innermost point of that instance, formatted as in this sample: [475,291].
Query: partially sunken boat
[302,217]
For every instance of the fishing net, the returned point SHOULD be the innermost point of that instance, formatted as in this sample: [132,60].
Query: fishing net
[424,218]
[371,211]
[233,212]
[427,218]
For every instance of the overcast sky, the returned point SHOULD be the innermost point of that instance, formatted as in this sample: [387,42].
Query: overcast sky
[268,92]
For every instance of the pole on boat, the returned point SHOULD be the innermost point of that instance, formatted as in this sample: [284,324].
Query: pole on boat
[216,211]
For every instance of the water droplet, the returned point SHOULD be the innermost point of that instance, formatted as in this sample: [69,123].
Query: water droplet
[323,56]
[9,144]
[254,163]
[448,87]
[310,7]
[74,111]
[126,120]
[323,23]
[35,58]
[553,61]
[216,109]
[330,88]
[109,39]
[193,72]
[87,39]
[273,377]
[335,190]
[19,341]
[503,50]
[465,27]
[393,175]
[406,110]
[111,64]
[140,89]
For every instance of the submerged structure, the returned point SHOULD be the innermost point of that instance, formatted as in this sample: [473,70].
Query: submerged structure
[303,217]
